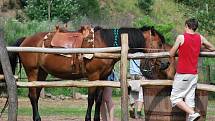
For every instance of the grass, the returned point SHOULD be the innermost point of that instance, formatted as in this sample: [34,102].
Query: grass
[76,108]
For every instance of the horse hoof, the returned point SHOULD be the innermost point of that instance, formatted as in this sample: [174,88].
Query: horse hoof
[96,119]
[87,119]
[37,119]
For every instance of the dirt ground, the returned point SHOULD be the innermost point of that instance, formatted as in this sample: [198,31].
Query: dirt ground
[24,102]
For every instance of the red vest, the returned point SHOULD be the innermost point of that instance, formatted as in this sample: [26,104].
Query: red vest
[188,54]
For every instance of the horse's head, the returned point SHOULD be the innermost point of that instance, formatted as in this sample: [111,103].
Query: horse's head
[153,39]
[155,42]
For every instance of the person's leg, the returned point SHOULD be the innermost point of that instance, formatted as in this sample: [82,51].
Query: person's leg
[132,100]
[140,103]
[110,104]
[182,105]
[103,106]
[133,97]
[190,99]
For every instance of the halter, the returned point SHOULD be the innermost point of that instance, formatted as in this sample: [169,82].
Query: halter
[116,34]
[90,39]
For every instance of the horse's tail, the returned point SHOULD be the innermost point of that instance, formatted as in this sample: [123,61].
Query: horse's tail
[14,56]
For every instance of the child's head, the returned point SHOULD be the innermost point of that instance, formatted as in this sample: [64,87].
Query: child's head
[192,24]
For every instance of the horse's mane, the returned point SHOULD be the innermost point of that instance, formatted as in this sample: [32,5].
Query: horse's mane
[135,36]
[97,28]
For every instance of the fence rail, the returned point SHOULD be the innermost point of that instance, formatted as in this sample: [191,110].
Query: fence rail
[104,83]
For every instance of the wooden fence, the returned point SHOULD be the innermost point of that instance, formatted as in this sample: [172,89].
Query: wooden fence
[99,53]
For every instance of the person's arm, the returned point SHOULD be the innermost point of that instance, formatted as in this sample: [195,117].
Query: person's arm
[178,42]
[207,44]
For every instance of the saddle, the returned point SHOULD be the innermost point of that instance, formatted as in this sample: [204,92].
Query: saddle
[69,40]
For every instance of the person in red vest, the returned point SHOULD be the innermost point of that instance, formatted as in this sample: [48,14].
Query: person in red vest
[188,46]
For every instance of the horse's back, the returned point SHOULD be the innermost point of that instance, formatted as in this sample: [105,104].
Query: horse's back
[34,40]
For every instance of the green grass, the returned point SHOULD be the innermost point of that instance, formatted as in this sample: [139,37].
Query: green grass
[79,108]
[52,111]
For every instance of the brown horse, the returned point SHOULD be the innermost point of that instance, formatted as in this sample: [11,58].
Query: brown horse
[156,68]
[38,65]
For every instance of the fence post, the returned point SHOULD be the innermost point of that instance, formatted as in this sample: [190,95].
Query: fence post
[10,80]
[123,77]
[208,81]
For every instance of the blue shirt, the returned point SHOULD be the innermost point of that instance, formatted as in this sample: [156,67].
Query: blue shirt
[135,67]
[112,77]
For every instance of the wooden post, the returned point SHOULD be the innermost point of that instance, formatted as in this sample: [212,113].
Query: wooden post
[123,77]
[10,81]
[208,81]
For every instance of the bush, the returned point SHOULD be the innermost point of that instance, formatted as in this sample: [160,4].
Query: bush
[14,29]
[63,10]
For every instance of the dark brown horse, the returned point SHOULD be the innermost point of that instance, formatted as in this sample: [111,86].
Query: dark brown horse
[38,65]
[159,68]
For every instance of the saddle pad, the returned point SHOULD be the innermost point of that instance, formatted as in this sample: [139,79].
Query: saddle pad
[67,40]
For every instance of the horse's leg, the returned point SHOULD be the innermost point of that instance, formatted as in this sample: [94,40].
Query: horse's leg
[91,96]
[98,100]
[34,93]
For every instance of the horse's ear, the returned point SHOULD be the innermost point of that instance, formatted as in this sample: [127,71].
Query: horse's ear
[65,26]
[57,27]
[153,30]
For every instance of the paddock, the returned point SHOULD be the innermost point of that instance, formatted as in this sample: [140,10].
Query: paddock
[98,52]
